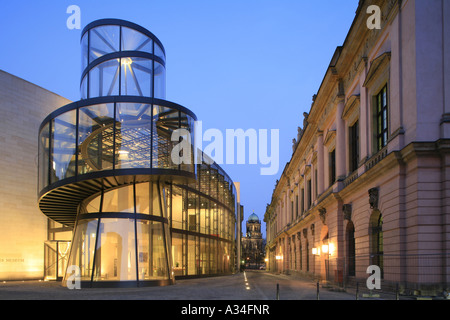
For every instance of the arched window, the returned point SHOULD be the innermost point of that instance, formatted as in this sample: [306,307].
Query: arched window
[301,256]
[307,256]
[377,240]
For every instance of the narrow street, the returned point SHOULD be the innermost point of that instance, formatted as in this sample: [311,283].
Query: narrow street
[290,288]
[249,285]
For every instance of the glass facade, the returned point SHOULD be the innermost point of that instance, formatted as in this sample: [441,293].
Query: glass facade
[111,136]
[122,235]
[106,168]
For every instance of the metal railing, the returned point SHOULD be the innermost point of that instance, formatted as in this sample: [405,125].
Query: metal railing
[399,274]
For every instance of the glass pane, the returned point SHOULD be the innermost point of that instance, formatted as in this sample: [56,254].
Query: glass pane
[133,135]
[213,257]
[192,263]
[143,196]
[160,81]
[193,212]
[63,146]
[204,247]
[159,52]
[95,138]
[187,154]
[153,262]
[155,199]
[116,254]
[63,255]
[84,51]
[204,216]
[133,40]
[379,106]
[136,77]
[93,206]
[165,121]
[44,156]
[84,87]
[103,40]
[119,200]
[177,207]
[104,79]
[50,260]
[177,254]
[83,247]
[380,129]
[215,219]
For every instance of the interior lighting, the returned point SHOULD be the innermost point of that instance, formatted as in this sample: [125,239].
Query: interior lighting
[127,61]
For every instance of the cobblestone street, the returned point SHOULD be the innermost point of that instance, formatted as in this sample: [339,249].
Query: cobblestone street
[250,285]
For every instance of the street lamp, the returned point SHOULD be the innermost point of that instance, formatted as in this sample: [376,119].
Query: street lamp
[316,251]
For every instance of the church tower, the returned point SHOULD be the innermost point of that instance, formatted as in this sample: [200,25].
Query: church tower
[252,243]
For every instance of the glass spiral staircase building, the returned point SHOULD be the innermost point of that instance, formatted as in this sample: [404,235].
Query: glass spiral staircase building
[105,169]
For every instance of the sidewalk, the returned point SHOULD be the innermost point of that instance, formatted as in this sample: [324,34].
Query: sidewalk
[259,286]
[360,292]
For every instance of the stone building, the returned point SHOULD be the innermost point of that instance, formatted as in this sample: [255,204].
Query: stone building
[24,231]
[368,181]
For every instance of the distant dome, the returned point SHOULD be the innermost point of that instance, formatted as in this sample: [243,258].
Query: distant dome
[253,218]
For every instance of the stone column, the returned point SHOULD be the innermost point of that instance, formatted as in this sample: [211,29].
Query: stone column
[341,150]
[320,164]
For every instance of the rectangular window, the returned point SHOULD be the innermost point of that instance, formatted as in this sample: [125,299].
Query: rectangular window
[354,146]
[302,203]
[332,167]
[309,195]
[316,193]
[296,206]
[292,211]
[381,114]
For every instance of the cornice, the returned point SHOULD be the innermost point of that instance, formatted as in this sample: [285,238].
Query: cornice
[350,106]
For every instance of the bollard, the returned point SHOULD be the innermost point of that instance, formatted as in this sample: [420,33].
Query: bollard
[318,298]
[278,291]
[397,294]
[357,291]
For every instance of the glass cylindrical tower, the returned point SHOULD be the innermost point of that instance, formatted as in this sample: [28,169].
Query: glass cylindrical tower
[105,160]
[121,59]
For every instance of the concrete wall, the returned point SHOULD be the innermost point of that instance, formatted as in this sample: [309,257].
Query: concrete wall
[23,227]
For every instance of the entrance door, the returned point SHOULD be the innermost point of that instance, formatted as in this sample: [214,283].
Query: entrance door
[56,255]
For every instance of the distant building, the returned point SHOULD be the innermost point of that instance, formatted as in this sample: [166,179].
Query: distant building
[252,243]
[368,181]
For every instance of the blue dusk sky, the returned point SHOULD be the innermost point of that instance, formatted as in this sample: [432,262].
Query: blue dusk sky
[237,64]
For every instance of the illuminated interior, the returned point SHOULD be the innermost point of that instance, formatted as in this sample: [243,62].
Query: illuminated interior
[105,169]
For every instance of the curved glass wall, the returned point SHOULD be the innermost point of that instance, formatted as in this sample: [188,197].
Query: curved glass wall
[202,219]
[111,136]
[119,60]
[122,236]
